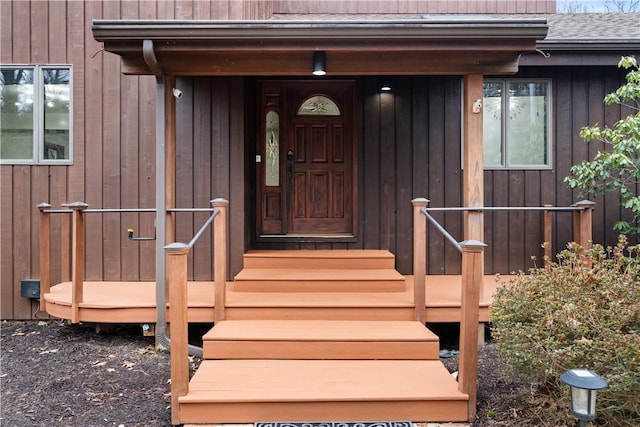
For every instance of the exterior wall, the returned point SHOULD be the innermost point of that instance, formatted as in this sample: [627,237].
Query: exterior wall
[114,139]
[410,146]
[114,147]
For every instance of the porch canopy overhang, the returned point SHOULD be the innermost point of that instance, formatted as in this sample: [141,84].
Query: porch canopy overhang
[447,44]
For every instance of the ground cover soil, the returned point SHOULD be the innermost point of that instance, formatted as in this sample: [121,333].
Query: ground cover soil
[53,373]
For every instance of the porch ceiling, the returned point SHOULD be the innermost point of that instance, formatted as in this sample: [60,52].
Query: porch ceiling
[285,48]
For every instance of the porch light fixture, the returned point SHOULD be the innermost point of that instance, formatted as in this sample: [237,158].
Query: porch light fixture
[386,87]
[584,386]
[319,63]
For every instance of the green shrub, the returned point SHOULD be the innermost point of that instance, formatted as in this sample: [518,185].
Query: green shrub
[581,312]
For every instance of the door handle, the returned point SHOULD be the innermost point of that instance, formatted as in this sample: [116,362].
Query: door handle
[290,155]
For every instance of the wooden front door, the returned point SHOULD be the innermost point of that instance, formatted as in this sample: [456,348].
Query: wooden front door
[306,159]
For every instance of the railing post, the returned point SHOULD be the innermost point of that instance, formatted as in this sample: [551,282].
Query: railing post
[419,257]
[583,223]
[472,272]
[77,258]
[179,328]
[220,257]
[65,247]
[547,225]
[45,253]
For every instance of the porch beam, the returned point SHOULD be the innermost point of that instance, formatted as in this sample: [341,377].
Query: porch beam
[339,63]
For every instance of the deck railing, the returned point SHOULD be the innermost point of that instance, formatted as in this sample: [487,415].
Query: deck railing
[72,256]
[473,272]
[72,259]
[177,284]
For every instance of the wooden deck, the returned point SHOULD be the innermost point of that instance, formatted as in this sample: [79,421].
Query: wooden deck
[307,336]
[134,302]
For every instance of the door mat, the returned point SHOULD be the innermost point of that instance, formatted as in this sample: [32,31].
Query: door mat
[339,424]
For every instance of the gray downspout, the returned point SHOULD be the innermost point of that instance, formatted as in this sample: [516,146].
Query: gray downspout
[162,339]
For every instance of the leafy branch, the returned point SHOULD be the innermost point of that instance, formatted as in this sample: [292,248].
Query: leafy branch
[617,168]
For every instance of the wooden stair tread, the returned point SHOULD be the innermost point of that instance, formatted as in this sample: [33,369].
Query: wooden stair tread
[307,274]
[321,258]
[321,380]
[320,330]
[320,253]
[319,299]
[320,339]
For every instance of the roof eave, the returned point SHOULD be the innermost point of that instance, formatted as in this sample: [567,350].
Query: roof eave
[114,30]
[630,46]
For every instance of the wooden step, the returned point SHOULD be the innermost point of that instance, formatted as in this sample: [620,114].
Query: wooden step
[320,339]
[318,280]
[321,258]
[247,391]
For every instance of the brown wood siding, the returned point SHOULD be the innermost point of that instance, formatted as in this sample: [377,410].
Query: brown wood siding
[418,124]
[415,6]
[114,141]
[114,152]
[210,164]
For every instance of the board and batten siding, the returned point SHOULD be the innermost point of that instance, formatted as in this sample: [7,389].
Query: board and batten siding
[113,140]
[114,152]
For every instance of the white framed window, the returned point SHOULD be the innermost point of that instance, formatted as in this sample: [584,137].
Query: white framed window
[517,123]
[36,120]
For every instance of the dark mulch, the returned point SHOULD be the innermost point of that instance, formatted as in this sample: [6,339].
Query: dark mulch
[56,374]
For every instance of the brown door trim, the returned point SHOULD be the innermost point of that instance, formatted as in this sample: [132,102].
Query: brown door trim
[328,176]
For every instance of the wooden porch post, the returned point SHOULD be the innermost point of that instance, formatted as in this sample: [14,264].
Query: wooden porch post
[220,257]
[45,253]
[419,257]
[583,223]
[179,327]
[472,247]
[472,272]
[473,176]
[77,258]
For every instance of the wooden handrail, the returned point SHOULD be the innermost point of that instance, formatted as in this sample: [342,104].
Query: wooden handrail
[176,255]
[472,276]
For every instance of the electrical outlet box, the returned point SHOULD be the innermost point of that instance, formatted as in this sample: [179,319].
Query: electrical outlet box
[30,288]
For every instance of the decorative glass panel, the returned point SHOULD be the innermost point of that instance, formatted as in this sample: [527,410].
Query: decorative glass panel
[492,124]
[318,105]
[272,149]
